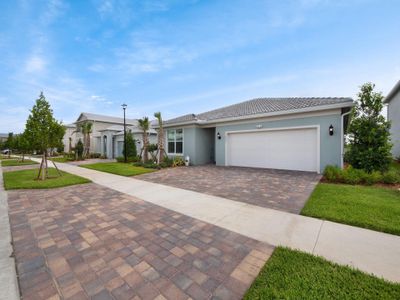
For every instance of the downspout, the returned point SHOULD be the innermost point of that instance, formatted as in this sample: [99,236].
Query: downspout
[342,138]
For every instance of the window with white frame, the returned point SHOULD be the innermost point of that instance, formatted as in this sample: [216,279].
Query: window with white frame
[175,141]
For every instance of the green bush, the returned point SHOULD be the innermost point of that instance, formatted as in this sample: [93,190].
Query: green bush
[352,176]
[372,178]
[95,155]
[178,162]
[79,149]
[391,177]
[333,174]
[150,165]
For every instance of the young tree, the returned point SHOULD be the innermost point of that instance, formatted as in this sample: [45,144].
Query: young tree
[21,144]
[144,124]
[160,137]
[370,146]
[130,145]
[43,132]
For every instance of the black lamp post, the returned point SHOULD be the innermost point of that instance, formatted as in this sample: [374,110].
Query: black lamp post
[124,108]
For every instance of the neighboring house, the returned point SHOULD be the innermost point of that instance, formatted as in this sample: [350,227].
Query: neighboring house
[281,133]
[107,137]
[3,137]
[393,115]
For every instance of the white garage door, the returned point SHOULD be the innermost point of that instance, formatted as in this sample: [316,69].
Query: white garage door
[288,149]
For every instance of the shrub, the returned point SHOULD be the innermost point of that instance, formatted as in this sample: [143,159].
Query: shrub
[152,147]
[391,177]
[333,174]
[178,162]
[79,149]
[372,178]
[95,155]
[150,165]
[130,145]
[352,176]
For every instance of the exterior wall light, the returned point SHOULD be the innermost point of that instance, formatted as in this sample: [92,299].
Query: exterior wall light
[331,130]
[218,135]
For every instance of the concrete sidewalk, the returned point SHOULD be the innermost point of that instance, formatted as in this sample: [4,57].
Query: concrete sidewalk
[8,277]
[370,251]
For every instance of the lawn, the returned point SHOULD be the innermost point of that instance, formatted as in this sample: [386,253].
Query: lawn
[60,159]
[26,179]
[290,274]
[118,168]
[374,208]
[16,162]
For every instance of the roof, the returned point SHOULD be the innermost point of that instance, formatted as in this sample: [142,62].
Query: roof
[261,106]
[393,92]
[104,118]
[72,125]
[3,135]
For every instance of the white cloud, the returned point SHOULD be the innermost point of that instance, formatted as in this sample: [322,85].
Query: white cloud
[35,63]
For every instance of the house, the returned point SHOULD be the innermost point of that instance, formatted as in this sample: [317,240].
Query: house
[3,137]
[393,115]
[303,134]
[107,137]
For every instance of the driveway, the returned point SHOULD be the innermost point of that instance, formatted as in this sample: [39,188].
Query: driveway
[277,189]
[89,241]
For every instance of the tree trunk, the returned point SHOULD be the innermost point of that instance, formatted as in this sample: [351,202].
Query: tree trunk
[145,144]
[161,144]
[42,171]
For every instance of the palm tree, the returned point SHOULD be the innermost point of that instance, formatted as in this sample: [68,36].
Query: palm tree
[144,124]
[160,136]
[86,129]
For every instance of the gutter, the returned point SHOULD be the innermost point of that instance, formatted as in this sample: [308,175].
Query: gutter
[342,138]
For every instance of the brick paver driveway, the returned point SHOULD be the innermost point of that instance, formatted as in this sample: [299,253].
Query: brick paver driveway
[276,189]
[89,241]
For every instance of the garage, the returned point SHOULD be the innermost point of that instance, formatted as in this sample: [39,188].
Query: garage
[295,148]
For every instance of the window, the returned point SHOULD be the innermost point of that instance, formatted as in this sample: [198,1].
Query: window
[175,141]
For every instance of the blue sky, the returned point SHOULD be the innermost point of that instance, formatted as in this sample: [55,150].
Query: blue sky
[188,56]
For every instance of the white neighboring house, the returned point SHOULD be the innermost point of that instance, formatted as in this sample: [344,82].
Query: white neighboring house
[107,137]
[393,114]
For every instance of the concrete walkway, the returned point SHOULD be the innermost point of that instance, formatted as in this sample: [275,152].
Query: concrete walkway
[8,278]
[370,251]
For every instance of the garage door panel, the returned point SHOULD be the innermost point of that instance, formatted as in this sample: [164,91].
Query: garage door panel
[294,149]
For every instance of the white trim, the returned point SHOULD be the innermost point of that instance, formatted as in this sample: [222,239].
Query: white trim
[342,138]
[264,115]
[183,142]
[279,129]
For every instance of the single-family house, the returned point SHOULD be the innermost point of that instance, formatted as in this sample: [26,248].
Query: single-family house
[393,114]
[107,137]
[3,137]
[305,134]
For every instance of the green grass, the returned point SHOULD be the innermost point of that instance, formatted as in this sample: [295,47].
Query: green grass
[118,168]
[292,274]
[16,162]
[26,179]
[374,208]
[60,159]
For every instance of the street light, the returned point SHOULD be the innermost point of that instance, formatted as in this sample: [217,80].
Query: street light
[124,108]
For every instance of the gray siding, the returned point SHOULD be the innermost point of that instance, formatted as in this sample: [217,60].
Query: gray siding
[394,117]
[329,145]
[198,144]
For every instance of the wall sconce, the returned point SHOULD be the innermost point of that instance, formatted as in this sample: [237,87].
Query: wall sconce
[331,130]
[218,135]
[259,126]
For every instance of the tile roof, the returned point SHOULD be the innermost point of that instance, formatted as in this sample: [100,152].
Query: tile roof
[108,119]
[260,106]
